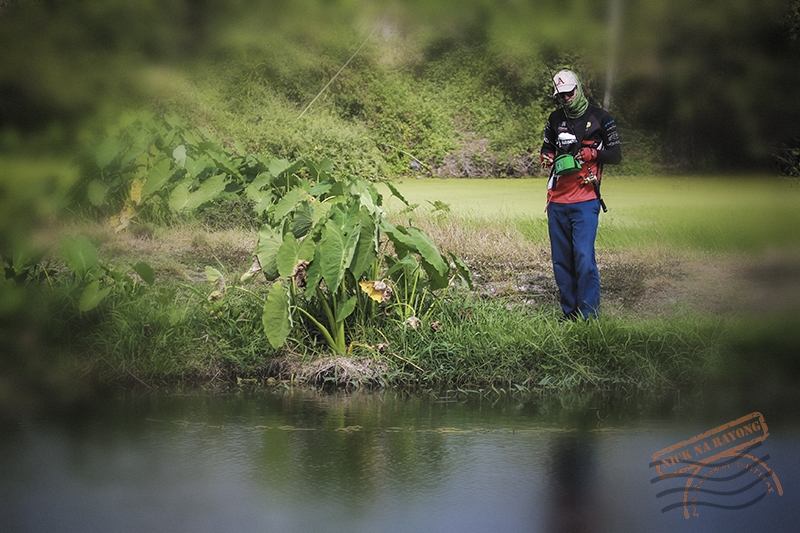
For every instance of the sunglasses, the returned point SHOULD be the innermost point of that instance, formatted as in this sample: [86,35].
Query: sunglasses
[565,95]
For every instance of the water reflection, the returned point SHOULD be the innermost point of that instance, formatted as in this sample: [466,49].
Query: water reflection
[299,461]
[570,473]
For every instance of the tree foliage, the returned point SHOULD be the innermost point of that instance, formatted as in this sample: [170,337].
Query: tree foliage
[711,81]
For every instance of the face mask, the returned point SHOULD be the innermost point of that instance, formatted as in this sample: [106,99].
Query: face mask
[578,105]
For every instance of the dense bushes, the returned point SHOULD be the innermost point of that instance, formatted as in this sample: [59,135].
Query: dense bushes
[434,89]
[417,99]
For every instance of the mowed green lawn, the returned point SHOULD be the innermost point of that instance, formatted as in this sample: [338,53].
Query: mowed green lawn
[708,213]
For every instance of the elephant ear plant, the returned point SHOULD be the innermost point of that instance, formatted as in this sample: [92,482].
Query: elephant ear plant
[156,168]
[323,247]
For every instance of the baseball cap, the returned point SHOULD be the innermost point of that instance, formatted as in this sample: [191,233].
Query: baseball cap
[564,81]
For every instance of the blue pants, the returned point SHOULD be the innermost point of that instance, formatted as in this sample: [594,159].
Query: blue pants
[573,228]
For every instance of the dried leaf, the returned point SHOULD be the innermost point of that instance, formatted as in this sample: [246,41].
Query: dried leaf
[413,322]
[135,194]
[377,290]
[255,268]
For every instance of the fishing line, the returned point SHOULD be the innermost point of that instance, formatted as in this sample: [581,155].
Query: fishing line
[337,73]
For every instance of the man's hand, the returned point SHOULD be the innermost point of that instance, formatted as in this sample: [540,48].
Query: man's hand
[546,160]
[587,155]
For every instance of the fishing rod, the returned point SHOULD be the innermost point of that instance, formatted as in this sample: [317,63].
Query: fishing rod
[337,72]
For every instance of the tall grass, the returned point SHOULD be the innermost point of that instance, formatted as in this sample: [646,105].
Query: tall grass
[490,343]
[172,333]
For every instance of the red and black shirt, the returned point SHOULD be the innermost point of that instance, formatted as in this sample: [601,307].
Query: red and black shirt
[563,135]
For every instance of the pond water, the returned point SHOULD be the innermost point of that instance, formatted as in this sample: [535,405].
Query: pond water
[307,461]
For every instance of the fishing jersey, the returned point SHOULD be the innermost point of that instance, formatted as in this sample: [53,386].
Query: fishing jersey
[564,135]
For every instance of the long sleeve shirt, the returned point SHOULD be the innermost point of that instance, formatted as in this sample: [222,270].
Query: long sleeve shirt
[563,135]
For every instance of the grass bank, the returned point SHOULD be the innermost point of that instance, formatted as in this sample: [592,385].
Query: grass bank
[173,334]
[681,308]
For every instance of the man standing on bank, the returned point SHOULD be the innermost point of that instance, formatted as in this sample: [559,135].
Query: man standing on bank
[589,134]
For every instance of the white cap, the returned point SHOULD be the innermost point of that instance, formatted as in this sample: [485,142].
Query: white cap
[564,81]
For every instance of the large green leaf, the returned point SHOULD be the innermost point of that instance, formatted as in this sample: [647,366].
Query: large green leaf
[264,204]
[192,137]
[269,242]
[286,258]
[145,272]
[463,270]
[24,256]
[253,190]
[321,211]
[396,193]
[179,197]
[278,166]
[197,165]
[108,150]
[79,253]
[307,250]
[158,176]
[320,168]
[412,240]
[332,249]
[168,136]
[92,295]
[303,220]
[225,163]
[351,232]
[288,203]
[368,202]
[96,192]
[337,247]
[138,146]
[366,249]
[233,187]
[437,279]
[291,252]
[314,274]
[275,316]
[213,275]
[403,244]
[206,192]
[402,267]
[179,155]
[346,309]
[319,189]
[428,250]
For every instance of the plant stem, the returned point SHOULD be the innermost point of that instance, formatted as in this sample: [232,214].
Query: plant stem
[340,323]
[322,329]
[338,343]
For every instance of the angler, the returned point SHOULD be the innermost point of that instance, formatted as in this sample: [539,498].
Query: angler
[579,138]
